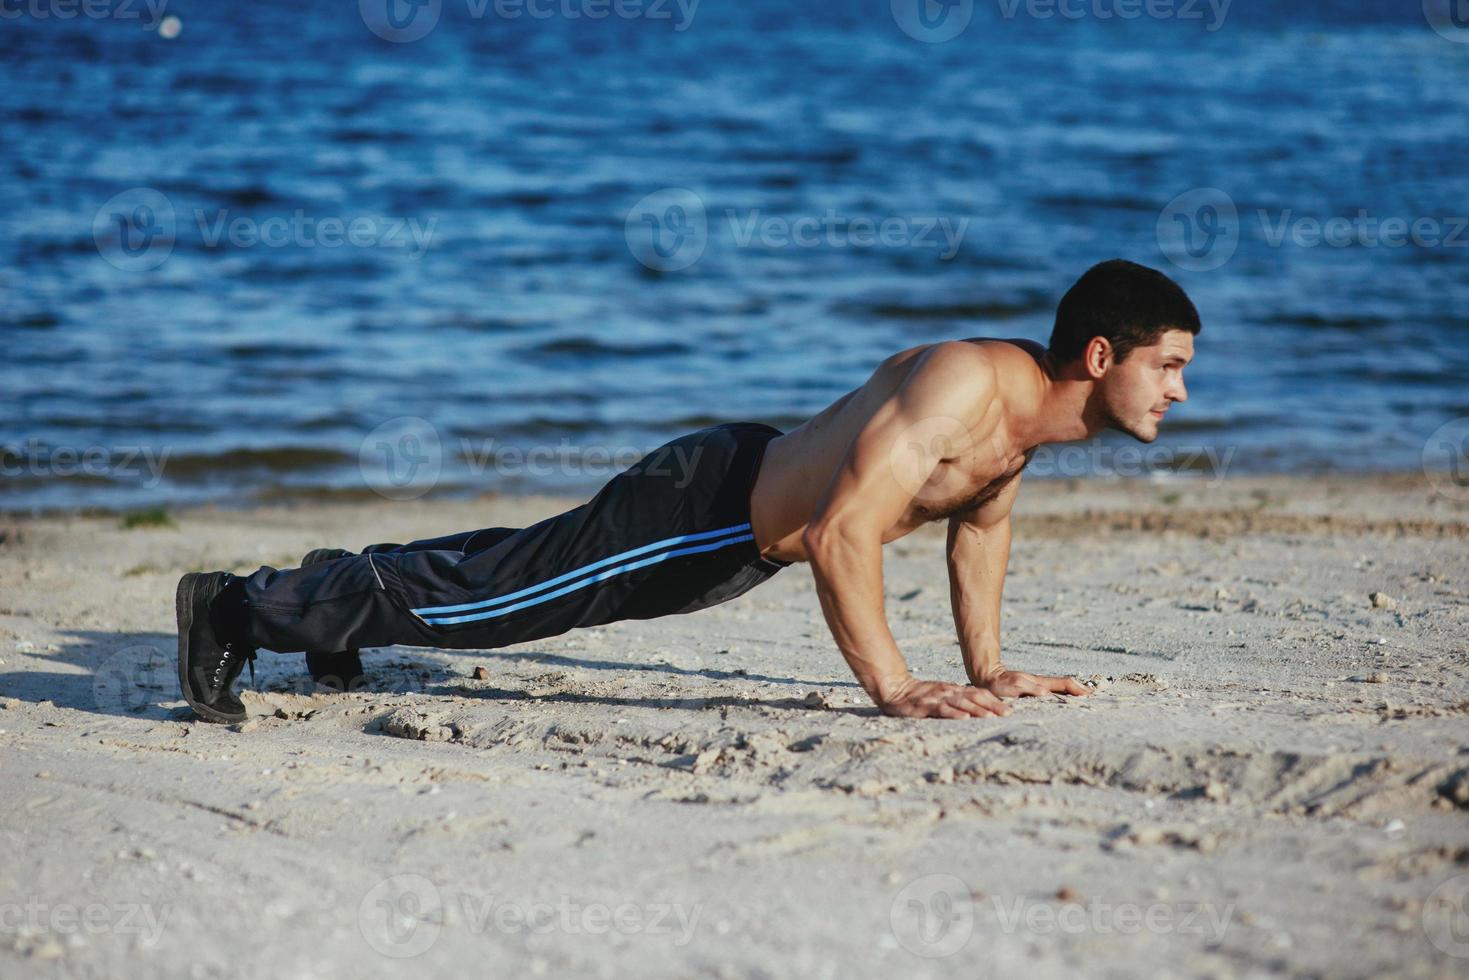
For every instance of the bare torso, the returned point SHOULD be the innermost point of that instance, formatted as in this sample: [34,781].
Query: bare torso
[798,466]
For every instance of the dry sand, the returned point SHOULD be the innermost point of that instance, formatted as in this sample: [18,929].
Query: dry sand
[1271,778]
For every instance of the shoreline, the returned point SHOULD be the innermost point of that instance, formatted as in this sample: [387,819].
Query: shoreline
[1106,486]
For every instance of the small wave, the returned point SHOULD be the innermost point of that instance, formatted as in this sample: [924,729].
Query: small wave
[259,350]
[1332,321]
[1102,202]
[601,348]
[41,320]
[837,156]
[277,459]
[997,309]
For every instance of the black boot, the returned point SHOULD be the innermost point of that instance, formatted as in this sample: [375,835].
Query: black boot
[340,670]
[213,643]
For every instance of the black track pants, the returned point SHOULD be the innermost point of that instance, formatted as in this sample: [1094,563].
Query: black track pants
[670,534]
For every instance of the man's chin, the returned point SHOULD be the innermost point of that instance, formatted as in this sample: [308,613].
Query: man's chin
[1144,430]
[1141,432]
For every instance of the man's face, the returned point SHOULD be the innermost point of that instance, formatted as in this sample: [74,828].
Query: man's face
[1136,393]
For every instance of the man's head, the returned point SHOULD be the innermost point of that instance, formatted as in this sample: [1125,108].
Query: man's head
[1130,330]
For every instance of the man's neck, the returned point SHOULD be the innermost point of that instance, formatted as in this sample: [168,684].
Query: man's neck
[1063,413]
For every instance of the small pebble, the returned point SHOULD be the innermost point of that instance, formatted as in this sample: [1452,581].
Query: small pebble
[481,674]
[1381,600]
[49,950]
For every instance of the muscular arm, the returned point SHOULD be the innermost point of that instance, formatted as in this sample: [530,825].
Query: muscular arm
[940,406]
[978,553]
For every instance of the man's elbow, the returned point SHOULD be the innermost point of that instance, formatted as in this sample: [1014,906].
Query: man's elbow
[823,540]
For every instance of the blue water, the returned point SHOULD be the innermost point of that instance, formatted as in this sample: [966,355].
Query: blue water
[498,291]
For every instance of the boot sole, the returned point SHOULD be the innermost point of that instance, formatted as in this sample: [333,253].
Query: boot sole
[184,611]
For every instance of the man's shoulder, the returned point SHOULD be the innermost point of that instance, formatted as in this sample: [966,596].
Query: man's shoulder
[1004,348]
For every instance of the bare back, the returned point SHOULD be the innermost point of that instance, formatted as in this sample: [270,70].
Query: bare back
[798,466]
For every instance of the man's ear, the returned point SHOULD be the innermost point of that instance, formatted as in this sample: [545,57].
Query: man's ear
[1098,357]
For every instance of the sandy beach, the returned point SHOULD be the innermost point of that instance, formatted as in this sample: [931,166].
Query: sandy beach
[1270,779]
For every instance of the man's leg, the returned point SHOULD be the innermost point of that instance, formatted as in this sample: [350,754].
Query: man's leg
[342,670]
[465,542]
[671,534]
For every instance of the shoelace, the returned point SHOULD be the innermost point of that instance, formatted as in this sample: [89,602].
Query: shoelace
[224,662]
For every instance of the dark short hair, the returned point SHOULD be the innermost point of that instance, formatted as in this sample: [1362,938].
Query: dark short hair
[1129,304]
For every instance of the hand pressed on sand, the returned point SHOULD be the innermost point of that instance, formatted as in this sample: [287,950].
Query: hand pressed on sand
[1018,684]
[939,699]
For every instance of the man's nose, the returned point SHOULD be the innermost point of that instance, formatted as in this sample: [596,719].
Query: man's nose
[1179,392]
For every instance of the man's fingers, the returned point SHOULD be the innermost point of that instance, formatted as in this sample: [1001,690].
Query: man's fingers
[986,701]
[1065,685]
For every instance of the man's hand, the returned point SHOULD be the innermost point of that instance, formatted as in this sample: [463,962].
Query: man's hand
[938,699]
[1018,684]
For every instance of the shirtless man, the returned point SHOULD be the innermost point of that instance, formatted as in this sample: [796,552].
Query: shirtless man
[938,432]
